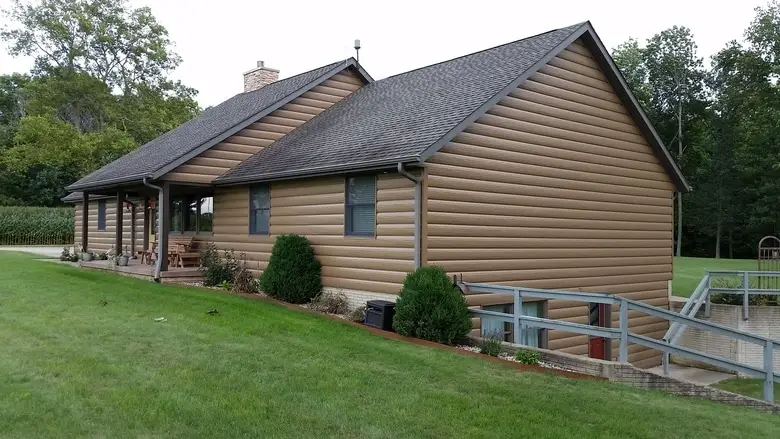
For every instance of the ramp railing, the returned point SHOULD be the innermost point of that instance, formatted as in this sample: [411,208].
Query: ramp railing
[522,322]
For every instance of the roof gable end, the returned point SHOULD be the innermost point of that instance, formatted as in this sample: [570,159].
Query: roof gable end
[177,146]
[588,35]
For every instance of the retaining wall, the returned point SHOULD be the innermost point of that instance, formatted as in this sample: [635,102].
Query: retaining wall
[763,321]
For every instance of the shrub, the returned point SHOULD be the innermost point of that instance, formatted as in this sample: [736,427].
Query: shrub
[331,303]
[244,281]
[526,356]
[293,273]
[65,255]
[217,270]
[431,307]
[20,225]
[358,314]
[491,344]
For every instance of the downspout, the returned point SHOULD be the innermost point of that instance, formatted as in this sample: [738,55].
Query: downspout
[417,213]
[160,213]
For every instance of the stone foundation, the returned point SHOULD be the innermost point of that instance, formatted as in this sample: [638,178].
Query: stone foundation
[357,298]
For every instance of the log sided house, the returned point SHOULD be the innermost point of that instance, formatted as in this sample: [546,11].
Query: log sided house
[529,164]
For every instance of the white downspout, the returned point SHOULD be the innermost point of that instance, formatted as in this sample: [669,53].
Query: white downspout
[417,213]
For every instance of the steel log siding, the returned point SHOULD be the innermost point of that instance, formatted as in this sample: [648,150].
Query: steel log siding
[555,187]
[222,157]
[315,208]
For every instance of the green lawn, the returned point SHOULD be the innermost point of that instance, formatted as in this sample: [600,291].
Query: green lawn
[747,387]
[74,367]
[688,272]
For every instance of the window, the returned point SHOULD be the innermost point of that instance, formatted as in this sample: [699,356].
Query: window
[192,214]
[177,218]
[206,214]
[530,337]
[360,209]
[101,215]
[259,209]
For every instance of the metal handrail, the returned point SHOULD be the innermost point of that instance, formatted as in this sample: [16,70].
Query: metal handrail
[521,322]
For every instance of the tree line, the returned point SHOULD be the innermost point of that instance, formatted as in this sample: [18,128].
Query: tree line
[100,87]
[721,124]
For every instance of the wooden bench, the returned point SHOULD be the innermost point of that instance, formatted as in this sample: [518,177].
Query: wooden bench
[180,252]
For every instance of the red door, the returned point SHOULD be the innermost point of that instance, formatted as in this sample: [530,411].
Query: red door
[599,315]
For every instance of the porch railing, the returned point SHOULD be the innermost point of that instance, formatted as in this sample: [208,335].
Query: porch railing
[522,322]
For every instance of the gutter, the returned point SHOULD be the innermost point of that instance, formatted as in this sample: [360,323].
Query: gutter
[161,213]
[315,172]
[417,213]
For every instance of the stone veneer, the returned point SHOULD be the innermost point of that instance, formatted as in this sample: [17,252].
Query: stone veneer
[259,77]
[358,298]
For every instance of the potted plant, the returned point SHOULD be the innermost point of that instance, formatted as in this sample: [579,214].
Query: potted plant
[123,259]
[86,256]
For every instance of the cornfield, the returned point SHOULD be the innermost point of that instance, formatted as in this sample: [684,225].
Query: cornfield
[21,225]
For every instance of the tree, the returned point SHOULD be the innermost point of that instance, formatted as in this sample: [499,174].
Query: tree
[99,88]
[118,45]
[677,77]
[42,140]
[11,105]
[630,59]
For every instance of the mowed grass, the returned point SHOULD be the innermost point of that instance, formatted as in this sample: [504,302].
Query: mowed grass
[73,367]
[747,386]
[688,272]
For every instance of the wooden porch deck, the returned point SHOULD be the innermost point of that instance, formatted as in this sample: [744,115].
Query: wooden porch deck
[143,271]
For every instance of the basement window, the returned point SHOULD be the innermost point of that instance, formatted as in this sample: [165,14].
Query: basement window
[360,206]
[531,337]
[101,217]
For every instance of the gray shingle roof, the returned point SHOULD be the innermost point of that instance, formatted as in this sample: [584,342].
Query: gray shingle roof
[204,129]
[397,118]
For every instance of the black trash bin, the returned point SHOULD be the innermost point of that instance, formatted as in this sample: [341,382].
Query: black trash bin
[379,314]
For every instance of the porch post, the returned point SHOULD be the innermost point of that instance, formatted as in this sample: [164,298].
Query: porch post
[84,221]
[132,230]
[120,201]
[146,224]
[163,209]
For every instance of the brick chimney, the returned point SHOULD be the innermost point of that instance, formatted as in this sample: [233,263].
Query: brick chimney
[259,77]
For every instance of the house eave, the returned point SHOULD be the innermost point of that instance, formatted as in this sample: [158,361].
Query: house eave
[339,169]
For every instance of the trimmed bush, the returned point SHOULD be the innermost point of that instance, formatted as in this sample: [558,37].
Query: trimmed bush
[431,307]
[293,273]
[22,225]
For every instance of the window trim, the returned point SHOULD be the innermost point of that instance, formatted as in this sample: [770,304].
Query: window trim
[101,215]
[267,188]
[186,199]
[347,206]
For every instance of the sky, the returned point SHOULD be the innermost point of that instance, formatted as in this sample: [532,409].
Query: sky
[220,40]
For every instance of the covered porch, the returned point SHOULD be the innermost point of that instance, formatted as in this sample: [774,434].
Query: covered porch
[144,271]
[167,222]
